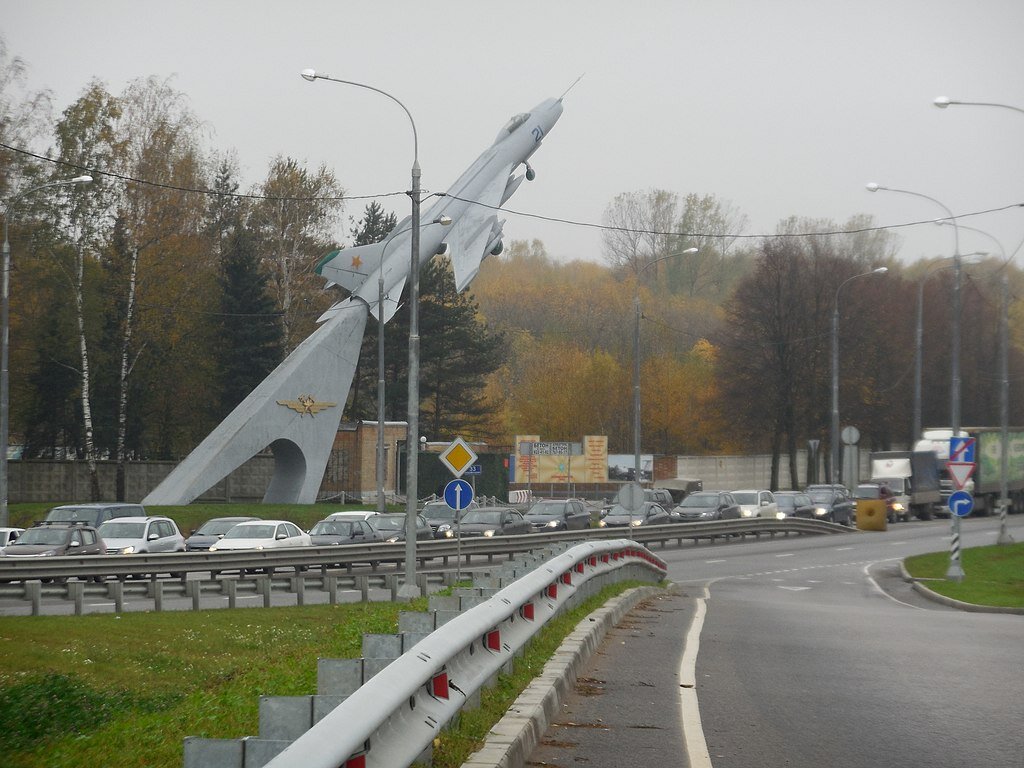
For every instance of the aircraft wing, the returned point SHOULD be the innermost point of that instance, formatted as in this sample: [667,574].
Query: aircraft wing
[477,231]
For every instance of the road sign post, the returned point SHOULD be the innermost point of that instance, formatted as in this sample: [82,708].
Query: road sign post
[961,467]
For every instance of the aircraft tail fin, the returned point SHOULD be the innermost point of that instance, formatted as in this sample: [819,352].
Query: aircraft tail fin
[349,267]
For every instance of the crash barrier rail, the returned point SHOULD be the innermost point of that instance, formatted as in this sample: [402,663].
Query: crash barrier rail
[324,558]
[401,705]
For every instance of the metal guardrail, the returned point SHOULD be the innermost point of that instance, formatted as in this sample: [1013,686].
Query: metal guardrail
[391,719]
[298,559]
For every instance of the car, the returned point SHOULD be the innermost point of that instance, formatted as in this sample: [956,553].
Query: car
[650,513]
[833,503]
[706,505]
[662,496]
[391,527]
[212,531]
[336,532]
[493,521]
[141,536]
[756,503]
[57,540]
[558,515]
[441,518]
[94,513]
[793,504]
[9,536]
[355,514]
[263,534]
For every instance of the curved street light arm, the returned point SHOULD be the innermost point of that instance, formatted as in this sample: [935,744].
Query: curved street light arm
[943,101]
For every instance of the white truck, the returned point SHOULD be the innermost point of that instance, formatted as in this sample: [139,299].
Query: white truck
[913,478]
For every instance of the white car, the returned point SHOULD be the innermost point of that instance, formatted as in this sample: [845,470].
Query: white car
[352,514]
[141,535]
[9,536]
[263,534]
[756,504]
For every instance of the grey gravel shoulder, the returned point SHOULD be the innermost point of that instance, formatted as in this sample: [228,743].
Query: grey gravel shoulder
[515,736]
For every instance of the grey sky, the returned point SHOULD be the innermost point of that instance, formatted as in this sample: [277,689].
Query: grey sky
[781,108]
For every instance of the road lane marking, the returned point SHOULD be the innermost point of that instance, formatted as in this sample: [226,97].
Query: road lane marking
[693,732]
[875,586]
[843,549]
[714,561]
[786,554]
[795,589]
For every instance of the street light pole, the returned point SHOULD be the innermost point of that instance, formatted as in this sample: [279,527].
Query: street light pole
[944,101]
[409,588]
[636,358]
[5,332]
[955,571]
[836,473]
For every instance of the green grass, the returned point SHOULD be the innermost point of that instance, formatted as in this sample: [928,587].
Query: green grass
[190,516]
[993,575]
[108,690]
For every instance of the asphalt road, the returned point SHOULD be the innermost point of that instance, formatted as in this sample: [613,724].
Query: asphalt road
[810,652]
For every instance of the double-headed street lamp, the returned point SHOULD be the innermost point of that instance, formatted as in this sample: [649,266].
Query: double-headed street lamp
[5,332]
[636,358]
[837,475]
[409,588]
[444,221]
[955,571]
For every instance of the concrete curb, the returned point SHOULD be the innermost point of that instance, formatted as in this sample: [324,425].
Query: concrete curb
[922,590]
[517,734]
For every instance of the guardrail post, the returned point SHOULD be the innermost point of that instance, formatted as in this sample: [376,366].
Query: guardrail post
[115,590]
[76,592]
[332,589]
[230,586]
[194,590]
[391,580]
[34,592]
[363,585]
[156,588]
[263,588]
[421,582]
[299,588]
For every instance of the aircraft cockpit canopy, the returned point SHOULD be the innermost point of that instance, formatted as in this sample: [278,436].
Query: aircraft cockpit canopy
[512,124]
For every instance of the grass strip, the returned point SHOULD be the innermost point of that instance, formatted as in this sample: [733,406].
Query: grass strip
[993,575]
[454,746]
[125,690]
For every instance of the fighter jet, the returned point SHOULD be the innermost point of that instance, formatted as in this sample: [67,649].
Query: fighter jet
[464,223]
[314,380]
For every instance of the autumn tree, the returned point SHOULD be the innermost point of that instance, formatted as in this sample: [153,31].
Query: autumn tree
[295,221]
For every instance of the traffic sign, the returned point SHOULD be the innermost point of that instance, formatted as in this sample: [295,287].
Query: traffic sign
[960,472]
[961,450]
[458,494]
[961,503]
[458,457]
[631,497]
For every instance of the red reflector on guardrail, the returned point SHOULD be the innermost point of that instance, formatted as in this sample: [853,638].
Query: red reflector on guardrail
[439,685]
[493,640]
[552,591]
[579,567]
[526,611]
[359,761]
[566,577]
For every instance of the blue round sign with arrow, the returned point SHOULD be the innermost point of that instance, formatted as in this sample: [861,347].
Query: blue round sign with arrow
[961,503]
[458,494]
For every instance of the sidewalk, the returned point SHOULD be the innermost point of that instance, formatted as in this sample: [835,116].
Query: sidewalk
[616,706]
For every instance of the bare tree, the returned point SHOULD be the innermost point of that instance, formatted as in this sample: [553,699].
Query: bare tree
[639,229]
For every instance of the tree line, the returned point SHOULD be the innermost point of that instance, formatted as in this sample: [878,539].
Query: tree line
[146,306]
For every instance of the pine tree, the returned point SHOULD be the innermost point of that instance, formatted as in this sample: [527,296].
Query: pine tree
[251,336]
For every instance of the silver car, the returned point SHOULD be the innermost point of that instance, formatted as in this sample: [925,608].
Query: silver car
[141,535]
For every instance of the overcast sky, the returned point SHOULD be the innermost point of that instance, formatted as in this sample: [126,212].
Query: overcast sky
[782,108]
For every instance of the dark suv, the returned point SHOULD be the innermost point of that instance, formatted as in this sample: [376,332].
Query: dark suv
[832,502]
[557,515]
[56,540]
[93,514]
